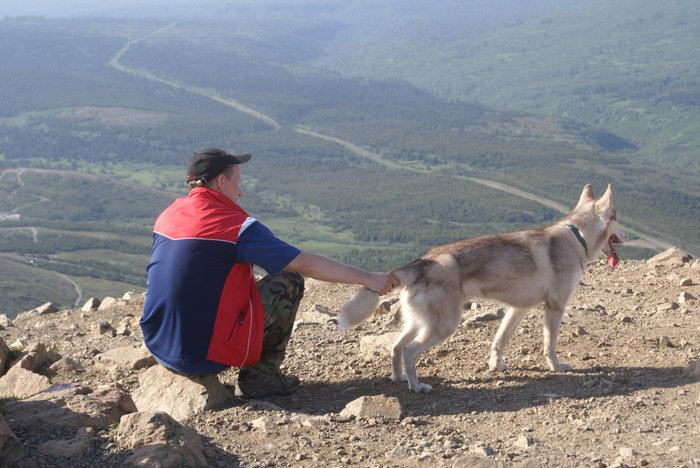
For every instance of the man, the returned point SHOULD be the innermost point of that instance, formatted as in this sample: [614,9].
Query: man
[204,311]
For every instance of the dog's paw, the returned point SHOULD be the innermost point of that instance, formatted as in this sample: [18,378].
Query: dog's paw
[399,377]
[420,388]
[559,367]
[499,367]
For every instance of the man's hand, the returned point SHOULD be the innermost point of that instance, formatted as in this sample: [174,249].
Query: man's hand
[381,282]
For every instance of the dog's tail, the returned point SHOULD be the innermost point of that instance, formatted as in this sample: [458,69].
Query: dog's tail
[365,301]
[358,308]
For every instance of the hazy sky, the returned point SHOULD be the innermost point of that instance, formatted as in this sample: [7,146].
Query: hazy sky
[67,8]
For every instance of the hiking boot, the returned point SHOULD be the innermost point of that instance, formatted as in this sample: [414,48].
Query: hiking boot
[255,384]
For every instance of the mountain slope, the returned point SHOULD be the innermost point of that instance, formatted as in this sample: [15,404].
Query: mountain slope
[372,172]
[628,67]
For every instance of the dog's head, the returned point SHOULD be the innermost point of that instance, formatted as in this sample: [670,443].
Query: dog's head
[604,218]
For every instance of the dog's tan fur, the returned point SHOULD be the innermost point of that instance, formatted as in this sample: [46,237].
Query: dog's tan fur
[520,269]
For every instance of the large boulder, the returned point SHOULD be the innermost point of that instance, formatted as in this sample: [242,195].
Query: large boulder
[158,440]
[22,383]
[178,395]
[67,407]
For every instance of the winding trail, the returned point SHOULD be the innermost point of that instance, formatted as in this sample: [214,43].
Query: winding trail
[18,174]
[208,93]
[644,241]
[76,287]
[25,260]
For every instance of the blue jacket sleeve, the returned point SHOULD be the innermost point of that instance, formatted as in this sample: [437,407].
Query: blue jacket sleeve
[259,246]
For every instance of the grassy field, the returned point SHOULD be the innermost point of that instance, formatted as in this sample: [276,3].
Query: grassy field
[25,286]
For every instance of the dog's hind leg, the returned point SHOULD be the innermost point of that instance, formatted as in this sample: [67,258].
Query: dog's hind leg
[552,321]
[432,333]
[427,338]
[503,335]
[408,333]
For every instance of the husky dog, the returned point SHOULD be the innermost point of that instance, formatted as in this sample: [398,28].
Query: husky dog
[521,269]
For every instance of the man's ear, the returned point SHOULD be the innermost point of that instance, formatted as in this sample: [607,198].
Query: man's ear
[219,180]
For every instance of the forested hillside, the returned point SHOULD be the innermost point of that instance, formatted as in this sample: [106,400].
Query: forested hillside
[628,67]
[99,117]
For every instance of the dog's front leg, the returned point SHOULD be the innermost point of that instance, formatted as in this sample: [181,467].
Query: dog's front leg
[552,321]
[503,335]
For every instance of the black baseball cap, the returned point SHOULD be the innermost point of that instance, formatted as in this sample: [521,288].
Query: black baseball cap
[209,163]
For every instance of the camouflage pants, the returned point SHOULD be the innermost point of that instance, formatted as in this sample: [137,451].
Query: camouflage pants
[280,296]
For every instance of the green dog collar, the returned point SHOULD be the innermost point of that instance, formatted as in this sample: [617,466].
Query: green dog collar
[576,232]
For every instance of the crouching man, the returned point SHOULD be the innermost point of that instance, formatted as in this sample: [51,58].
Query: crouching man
[204,310]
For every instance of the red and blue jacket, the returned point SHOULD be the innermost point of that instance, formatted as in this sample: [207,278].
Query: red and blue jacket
[202,311]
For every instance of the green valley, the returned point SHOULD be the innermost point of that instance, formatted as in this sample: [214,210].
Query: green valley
[371,164]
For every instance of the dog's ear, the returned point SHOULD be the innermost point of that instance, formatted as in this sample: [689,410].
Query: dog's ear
[586,195]
[605,202]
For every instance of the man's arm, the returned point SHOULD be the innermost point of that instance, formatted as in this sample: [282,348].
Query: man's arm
[326,269]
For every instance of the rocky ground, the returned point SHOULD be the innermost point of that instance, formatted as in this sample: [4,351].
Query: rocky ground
[631,333]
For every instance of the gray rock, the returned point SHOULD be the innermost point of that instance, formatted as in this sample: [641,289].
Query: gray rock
[20,382]
[525,441]
[372,407]
[666,306]
[178,395]
[159,440]
[46,309]
[102,328]
[481,449]
[35,356]
[108,302]
[628,452]
[264,424]
[75,447]
[127,324]
[5,322]
[91,304]
[127,357]
[67,364]
[685,297]
[69,407]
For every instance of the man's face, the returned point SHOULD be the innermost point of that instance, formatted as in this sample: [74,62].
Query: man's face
[230,186]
